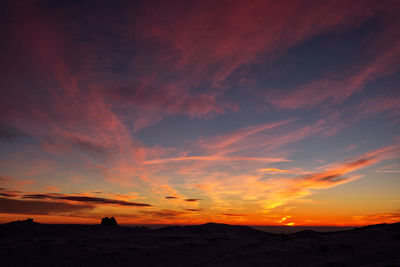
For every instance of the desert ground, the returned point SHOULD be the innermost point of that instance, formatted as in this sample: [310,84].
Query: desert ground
[25,243]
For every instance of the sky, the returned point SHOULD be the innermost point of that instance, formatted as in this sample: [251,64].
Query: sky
[187,112]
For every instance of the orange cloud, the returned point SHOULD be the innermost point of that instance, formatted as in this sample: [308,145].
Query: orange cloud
[274,170]
[52,188]
[284,219]
[266,195]
[375,218]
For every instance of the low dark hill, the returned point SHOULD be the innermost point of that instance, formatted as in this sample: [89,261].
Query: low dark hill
[215,228]
[26,243]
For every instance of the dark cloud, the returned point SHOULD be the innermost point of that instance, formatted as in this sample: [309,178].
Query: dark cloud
[94,200]
[10,191]
[16,206]
[360,162]
[192,199]
[38,196]
[233,214]
[94,150]
[9,133]
[7,194]
[333,178]
[5,179]
[169,197]
[193,209]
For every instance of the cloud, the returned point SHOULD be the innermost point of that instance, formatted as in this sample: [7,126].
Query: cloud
[63,108]
[225,140]
[267,137]
[389,217]
[95,150]
[193,209]
[284,219]
[93,200]
[160,68]
[382,59]
[234,214]
[386,102]
[246,149]
[5,179]
[9,133]
[274,170]
[16,206]
[89,96]
[16,184]
[7,194]
[192,199]
[213,158]
[52,188]
[168,100]
[170,197]
[350,147]
[165,214]
[263,195]
[333,175]
[230,35]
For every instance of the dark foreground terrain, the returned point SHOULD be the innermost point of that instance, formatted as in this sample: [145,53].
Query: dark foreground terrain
[32,244]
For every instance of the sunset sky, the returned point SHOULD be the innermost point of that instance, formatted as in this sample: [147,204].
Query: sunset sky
[185,112]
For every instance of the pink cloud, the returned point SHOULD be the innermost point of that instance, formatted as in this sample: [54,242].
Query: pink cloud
[382,59]
[380,104]
[350,147]
[214,158]
[225,140]
[168,98]
[187,68]
[228,36]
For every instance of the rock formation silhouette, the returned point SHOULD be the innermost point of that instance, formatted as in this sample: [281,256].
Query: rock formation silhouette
[108,221]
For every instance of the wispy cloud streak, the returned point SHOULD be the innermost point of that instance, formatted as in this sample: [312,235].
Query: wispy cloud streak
[95,200]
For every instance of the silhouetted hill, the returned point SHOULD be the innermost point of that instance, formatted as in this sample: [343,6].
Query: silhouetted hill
[210,228]
[26,243]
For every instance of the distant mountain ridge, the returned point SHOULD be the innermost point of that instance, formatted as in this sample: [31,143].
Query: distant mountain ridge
[209,227]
